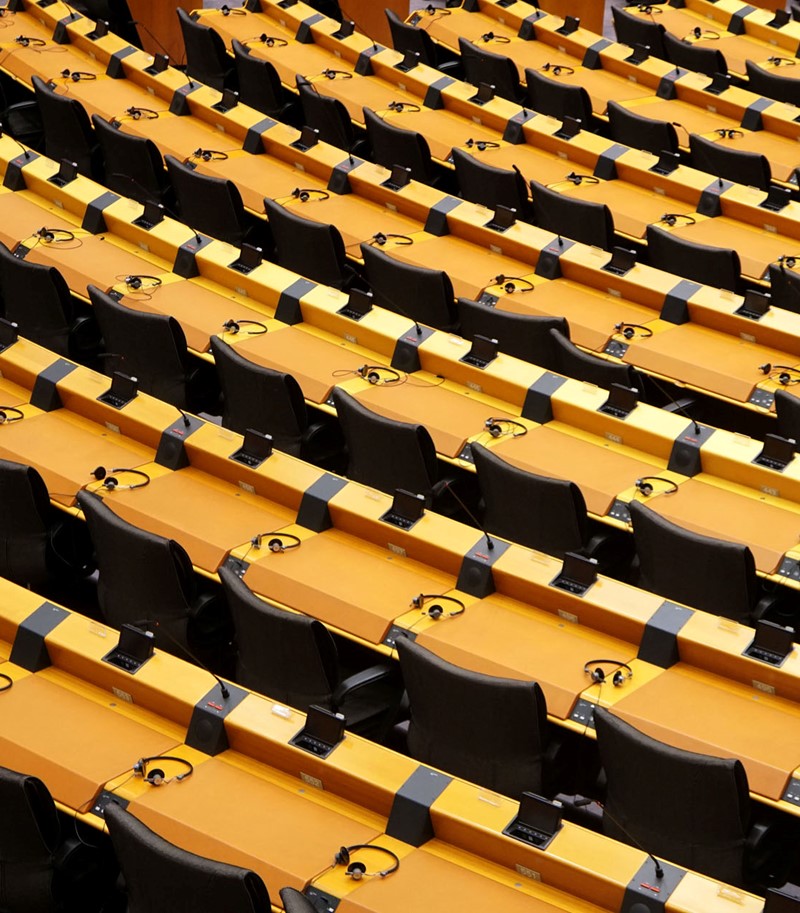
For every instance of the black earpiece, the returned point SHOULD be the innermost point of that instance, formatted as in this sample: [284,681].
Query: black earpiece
[233,326]
[156,776]
[136,282]
[785,375]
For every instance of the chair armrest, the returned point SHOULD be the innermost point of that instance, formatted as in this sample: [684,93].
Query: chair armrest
[360,680]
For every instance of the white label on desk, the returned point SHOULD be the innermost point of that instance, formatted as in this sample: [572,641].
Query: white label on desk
[769,490]
[311,781]
[772,228]
[144,246]
[59,204]
[151,90]
[122,695]
[495,249]
[281,711]
[747,337]
[250,489]
[299,167]
[282,22]
[240,291]
[614,438]
[220,127]
[568,616]
[711,108]
[562,155]
[728,893]
[391,206]
[112,427]
[633,79]
[401,86]
[616,293]
[477,120]
[763,686]
[528,873]
[348,337]
[396,549]
[93,55]
[661,190]
[473,386]
[337,53]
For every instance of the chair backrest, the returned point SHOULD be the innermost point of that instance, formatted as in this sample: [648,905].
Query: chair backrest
[574,362]
[37,298]
[326,114]
[29,839]
[558,99]
[694,57]
[487,185]
[749,168]
[485,729]
[206,57]
[161,876]
[579,220]
[690,809]
[289,657]
[633,30]
[295,902]
[784,287]
[702,572]
[142,575]
[485,66]
[524,336]
[258,397]
[132,165]
[152,347]
[207,204]
[639,132]
[311,249]
[259,82]
[67,131]
[531,510]
[394,146]
[23,525]
[717,266]
[407,38]
[787,410]
[384,453]
[413,291]
[772,85]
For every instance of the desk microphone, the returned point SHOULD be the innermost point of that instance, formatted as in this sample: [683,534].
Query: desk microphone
[468,512]
[152,623]
[583,802]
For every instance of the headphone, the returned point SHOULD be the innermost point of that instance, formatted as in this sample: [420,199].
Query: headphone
[481,144]
[783,374]
[509,284]
[277,544]
[137,281]
[25,40]
[789,260]
[777,61]
[495,427]
[8,681]
[208,155]
[111,482]
[380,239]
[628,330]
[268,40]
[304,194]
[500,39]
[357,870]
[233,326]
[370,373]
[227,11]
[436,611]
[49,234]
[77,75]
[648,9]
[578,179]
[332,74]
[644,485]
[598,674]
[670,218]
[557,68]
[137,113]
[401,106]
[698,33]
[156,776]
[729,133]
[5,418]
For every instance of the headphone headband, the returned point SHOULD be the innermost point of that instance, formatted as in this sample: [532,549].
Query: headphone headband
[156,776]
[111,483]
[643,485]
[371,373]
[357,870]
[4,417]
[277,544]
[436,611]
[629,330]
[622,671]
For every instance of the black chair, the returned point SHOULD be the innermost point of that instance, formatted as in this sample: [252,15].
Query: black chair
[161,876]
[579,220]
[394,146]
[272,402]
[676,563]
[44,870]
[633,30]
[748,168]
[787,410]
[311,249]
[524,336]
[37,298]
[206,57]
[293,659]
[772,85]
[116,12]
[412,291]
[384,453]
[328,115]
[144,576]
[717,266]
[694,56]
[490,186]
[491,731]
[784,287]
[260,86]
[691,809]
[411,39]
[558,99]
[150,347]
[295,902]
[482,66]
[132,165]
[639,132]
[68,133]
[211,205]
[574,362]
[542,513]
